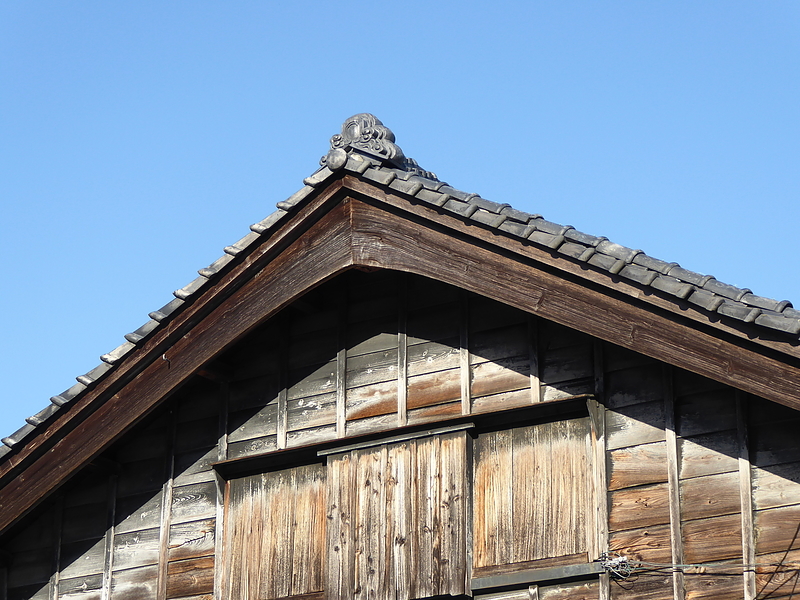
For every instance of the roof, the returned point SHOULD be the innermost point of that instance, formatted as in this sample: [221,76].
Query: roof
[366,149]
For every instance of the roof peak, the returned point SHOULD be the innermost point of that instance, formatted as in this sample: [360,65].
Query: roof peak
[366,134]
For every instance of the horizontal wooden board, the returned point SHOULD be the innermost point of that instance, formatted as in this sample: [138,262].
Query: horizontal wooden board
[316,411]
[642,506]
[434,388]
[635,424]
[136,549]
[431,414]
[647,585]
[713,539]
[710,496]
[314,435]
[709,454]
[559,391]
[82,558]
[651,544]
[135,584]
[777,485]
[428,357]
[190,577]
[502,401]
[501,343]
[706,412]
[194,502]
[634,385]
[250,447]
[371,400]
[777,529]
[314,380]
[503,375]
[567,363]
[192,539]
[714,585]
[571,591]
[637,465]
[248,425]
[134,513]
[87,521]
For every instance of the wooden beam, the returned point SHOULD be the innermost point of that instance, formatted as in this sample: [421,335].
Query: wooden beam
[573,269]
[395,242]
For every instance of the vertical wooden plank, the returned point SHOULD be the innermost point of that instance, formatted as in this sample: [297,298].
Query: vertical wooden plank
[308,530]
[111,514]
[428,452]
[673,482]
[220,561]
[464,357]
[453,516]
[341,367]
[166,511]
[526,474]
[283,416]
[341,548]
[402,353]
[746,496]
[599,488]
[533,340]
[400,516]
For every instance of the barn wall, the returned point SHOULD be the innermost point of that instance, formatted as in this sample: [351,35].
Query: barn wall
[673,467]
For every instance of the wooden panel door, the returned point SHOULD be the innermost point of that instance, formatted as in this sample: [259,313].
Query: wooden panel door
[531,497]
[276,534]
[397,520]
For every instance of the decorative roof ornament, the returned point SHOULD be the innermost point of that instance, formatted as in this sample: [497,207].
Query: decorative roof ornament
[366,134]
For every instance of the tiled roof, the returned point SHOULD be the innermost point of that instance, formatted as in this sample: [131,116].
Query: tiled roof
[371,155]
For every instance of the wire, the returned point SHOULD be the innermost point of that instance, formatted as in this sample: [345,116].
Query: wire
[621,567]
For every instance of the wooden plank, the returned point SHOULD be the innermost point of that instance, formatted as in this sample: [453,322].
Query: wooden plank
[316,411]
[250,424]
[135,584]
[434,388]
[635,384]
[428,357]
[707,412]
[503,375]
[746,498]
[651,544]
[136,549]
[645,505]
[138,512]
[711,496]
[712,585]
[637,465]
[372,400]
[778,529]
[570,591]
[341,520]
[252,447]
[83,558]
[501,401]
[194,502]
[193,539]
[777,485]
[464,357]
[713,539]
[533,354]
[708,454]
[500,343]
[636,424]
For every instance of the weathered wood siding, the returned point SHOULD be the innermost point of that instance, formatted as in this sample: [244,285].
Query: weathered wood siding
[398,519]
[694,472]
[275,539]
[532,497]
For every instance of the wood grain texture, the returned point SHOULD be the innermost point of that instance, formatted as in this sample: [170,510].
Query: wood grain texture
[398,520]
[513,525]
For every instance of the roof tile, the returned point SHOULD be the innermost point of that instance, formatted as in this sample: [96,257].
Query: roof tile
[689,276]
[779,322]
[724,289]
[661,266]
[705,299]
[672,286]
[617,251]
[433,197]
[18,435]
[638,274]
[117,353]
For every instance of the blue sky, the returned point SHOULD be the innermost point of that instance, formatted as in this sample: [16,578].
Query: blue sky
[139,139]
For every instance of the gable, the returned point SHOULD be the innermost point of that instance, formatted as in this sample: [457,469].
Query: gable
[377,304]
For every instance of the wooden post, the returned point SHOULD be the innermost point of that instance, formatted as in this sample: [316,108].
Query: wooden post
[341,368]
[166,512]
[58,525]
[111,516]
[673,483]
[533,340]
[402,352]
[466,374]
[746,496]
[598,535]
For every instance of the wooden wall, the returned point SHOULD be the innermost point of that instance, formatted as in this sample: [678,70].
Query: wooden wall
[672,467]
